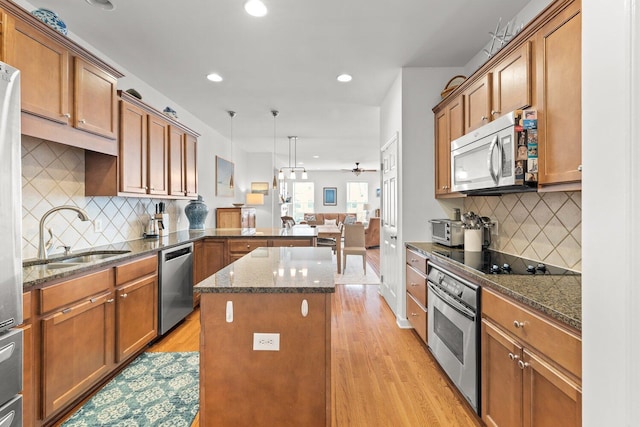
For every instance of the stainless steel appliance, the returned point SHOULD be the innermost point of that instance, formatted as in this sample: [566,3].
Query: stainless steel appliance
[453,329]
[497,158]
[175,293]
[11,254]
[447,232]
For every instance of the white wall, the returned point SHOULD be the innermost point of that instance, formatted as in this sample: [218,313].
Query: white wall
[611,190]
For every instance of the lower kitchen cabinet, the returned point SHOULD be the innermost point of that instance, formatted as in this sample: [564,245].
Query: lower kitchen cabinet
[521,386]
[416,288]
[136,306]
[77,349]
[28,398]
[209,256]
[88,326]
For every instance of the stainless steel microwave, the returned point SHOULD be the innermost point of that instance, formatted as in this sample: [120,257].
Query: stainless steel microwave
[499,157]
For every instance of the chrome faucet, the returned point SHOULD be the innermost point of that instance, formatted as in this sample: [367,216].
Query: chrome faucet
[42,250]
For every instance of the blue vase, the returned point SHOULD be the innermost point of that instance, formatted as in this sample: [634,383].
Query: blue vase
[196,212]
[51,18]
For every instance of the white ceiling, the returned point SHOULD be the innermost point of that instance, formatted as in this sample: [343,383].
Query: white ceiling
[287,60]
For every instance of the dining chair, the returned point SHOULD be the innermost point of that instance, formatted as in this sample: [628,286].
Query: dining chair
[354,244]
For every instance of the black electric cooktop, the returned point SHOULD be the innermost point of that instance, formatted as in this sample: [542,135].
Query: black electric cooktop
[489,261]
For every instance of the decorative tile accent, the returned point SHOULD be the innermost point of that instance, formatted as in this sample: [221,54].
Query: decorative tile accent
[542,226]
[53,175]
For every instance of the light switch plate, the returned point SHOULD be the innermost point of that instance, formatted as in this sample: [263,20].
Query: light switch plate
[266,342]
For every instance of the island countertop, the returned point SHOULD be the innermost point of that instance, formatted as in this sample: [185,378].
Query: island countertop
[275,270]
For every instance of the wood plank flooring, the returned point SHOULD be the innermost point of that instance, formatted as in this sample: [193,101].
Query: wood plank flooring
[382,375]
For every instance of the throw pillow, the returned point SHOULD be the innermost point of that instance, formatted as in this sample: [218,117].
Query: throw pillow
[350,219]
[330,222]
[309,217]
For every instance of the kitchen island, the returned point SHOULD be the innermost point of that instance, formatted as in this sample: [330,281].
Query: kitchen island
[265,342]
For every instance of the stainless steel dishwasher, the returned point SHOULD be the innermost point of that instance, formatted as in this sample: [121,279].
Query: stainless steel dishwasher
[175,293]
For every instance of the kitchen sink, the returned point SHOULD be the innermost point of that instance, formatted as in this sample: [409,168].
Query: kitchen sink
[75,260]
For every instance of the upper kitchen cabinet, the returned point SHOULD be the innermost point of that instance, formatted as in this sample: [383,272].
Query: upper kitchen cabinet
[558,47]
[477,103]
[68,95]
[512,82]
[449,125]
[183,176]
[157,157]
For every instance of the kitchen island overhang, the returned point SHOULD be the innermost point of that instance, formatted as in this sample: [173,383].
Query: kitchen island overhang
[265,343]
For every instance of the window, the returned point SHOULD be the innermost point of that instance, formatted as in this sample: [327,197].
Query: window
[303,197]
[357,196]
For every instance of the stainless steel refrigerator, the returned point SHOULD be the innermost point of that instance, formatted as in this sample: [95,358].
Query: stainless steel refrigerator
[11,254]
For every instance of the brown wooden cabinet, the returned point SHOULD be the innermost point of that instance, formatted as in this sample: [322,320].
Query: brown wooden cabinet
[477,103]
[77,338]
[512,83]
[449,125]
[157,157]
[209,256]
[416,292]
[235,217]
[64,88]
[183,176]
[136,306]
[531,368]
[558,60]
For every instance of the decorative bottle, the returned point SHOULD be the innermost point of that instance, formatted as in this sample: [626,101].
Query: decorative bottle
[196,212]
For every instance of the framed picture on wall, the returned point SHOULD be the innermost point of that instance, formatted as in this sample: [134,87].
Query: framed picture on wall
[329,196]
[260,187]
[224,177]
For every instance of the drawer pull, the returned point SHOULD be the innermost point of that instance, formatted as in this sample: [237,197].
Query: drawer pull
[92,300]
[518,325]
[414,284]
[522,364]
[66,310]
[513,356]
[66,115]
[414,314]
[110,300]
[413,260]
[124,295]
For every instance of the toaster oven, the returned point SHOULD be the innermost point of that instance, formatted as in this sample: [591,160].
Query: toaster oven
[447,232]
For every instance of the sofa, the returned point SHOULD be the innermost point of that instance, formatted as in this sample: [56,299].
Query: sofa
[314,219]
[372,233]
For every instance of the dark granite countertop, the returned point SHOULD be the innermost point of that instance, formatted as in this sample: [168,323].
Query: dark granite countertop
[275,270]
[34,276]
[559,297]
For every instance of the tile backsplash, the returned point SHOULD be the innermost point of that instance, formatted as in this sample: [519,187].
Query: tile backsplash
[53,175]
[541,226]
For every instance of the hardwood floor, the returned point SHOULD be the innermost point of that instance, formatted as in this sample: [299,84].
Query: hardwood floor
[373,258]
[382,375]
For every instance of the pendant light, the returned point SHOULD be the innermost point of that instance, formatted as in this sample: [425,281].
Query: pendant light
[232,114]
[275,181]
[293,172]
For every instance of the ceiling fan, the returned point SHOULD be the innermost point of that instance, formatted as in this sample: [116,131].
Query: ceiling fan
[358,170]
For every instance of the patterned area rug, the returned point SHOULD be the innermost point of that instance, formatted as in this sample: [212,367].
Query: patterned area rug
[156,389]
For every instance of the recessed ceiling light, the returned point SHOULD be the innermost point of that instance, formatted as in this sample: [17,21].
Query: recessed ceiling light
[316,157]
[102,4]
[255,8]
[344,78]
[214,77]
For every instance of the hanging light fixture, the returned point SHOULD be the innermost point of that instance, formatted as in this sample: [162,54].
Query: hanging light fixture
[275,181]
[232,114]
[292,169]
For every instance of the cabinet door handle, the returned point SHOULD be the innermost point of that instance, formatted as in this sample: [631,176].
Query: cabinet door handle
[414,284]
[494,112]
[580,168]
[124,295]
[110,300]
[483,118]
[522,364]
[83,121]
[518,325]
[414,314]
[67,115]
[513,356]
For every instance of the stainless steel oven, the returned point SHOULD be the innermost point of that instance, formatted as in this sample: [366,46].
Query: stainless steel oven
[453,329]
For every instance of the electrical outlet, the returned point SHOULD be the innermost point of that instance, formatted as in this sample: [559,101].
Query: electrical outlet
[494,229]
[266,342]
[97,225]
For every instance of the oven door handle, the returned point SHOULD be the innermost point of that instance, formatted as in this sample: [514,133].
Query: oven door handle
[451,302]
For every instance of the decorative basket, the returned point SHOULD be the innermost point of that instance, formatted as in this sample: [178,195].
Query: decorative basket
[452,85]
